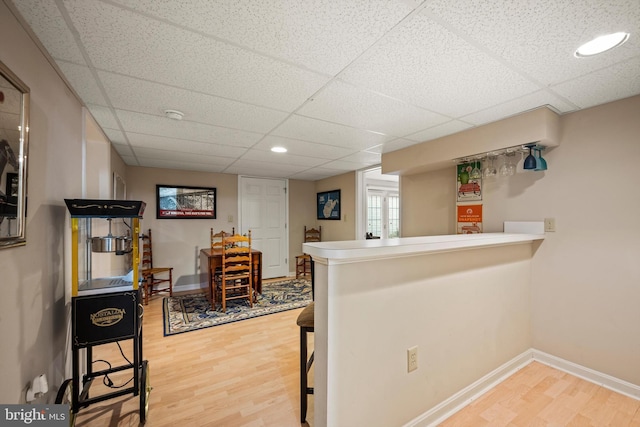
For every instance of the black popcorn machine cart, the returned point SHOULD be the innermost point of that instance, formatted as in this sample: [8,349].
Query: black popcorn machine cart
[105,301]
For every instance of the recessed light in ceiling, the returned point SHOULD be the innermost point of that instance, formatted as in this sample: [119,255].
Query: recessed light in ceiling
[601,44]
[279,150]
[174,114]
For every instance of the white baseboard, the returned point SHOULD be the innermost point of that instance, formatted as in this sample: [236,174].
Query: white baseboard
[464,397]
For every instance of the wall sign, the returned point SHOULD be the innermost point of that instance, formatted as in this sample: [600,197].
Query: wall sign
[185,202]
[329,205]
[469,219]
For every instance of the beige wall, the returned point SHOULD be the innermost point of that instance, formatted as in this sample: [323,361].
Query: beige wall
[34,319]
[345,229]
[585,289]
[428,203]
[302,212]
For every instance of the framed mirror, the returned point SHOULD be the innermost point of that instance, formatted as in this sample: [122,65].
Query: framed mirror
[14,130]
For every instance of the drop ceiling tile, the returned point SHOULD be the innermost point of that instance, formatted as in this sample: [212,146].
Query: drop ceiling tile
[129,43]
[83,82]
[343,103]
[520,105]
[268,157]
[47,23]
[183,157]
[161,126]
[303,148]
[187,166]
[259,168]
[312,36]
[363,157]
[616,82]
[437,131]
[123,149]
[346,166]
[127,93]
[104,116]
[115,136]
[394,145]
[323,132]
[183,146]
[425,64]
[315,174]
[540,37]
[130,160]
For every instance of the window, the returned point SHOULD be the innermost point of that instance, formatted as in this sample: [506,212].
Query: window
[383,213]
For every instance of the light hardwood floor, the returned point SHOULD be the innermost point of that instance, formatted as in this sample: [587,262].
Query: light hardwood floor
[247,374]
[539,395]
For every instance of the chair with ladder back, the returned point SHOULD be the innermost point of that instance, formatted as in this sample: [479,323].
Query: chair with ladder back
[303,262]
[154,279]
[235,278]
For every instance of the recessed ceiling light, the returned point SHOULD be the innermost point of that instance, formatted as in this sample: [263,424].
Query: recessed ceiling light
[279,150]
[601,44]
[174,114]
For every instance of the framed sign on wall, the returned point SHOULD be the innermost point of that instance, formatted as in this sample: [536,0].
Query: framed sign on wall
[329,205]
[183,202]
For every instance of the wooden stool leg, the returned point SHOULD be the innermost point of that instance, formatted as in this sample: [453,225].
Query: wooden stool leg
[303,375]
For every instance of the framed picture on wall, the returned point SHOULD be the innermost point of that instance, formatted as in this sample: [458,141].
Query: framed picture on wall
[329,205]
[182,202]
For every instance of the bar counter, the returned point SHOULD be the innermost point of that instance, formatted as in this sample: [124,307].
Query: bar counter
[463,300]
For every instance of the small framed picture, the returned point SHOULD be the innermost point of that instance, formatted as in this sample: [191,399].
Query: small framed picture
[329,205]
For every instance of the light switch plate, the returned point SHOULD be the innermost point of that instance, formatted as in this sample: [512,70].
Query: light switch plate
[549,224]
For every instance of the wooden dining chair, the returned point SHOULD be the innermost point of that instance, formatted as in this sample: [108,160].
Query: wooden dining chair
[215,274]
[235,279]
[217,237]
[154,279]
[303,262]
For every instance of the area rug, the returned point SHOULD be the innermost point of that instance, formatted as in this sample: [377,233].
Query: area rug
[192,312]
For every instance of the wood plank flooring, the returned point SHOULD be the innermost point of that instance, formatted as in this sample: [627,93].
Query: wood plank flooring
[539,395]
[247,374]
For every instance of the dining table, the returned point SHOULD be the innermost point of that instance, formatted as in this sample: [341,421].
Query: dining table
[210,259]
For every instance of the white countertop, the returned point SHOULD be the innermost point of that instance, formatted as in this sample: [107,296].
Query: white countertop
[383,248]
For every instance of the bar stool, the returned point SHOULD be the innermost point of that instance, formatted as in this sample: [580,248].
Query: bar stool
[305,322]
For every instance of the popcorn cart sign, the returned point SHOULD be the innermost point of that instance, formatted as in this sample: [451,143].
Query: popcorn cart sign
[469,219]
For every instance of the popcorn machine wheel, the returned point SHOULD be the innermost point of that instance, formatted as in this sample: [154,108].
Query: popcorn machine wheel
[105,301]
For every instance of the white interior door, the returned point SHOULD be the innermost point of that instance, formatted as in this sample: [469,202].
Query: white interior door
[263,210]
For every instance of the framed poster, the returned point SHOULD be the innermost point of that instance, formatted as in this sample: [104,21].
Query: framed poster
[329,205]
[182,202]
[469,219]
[469,182]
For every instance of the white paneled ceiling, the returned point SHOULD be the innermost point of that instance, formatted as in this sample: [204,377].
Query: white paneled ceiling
[336,82]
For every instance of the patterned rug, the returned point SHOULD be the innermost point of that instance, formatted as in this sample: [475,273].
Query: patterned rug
[192,312]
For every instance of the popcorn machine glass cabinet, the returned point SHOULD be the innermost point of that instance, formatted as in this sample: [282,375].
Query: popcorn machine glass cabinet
[104,245]
[107,255]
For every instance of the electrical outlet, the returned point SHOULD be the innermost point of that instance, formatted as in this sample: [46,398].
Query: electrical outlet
[550,224]
[412,359]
